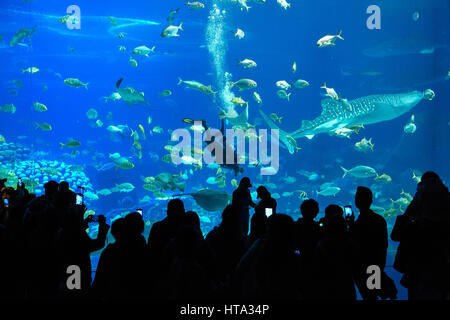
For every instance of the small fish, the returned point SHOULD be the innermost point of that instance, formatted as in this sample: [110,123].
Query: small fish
[188,120]
[239,34]
[282,94]
[416,178]
[171,31]
[39,107]
[196,5]
[384,177]
[294,67]
[71,144]
[11,108]
[165,93]
[44,126]
[158,129]
[329,40]
[274,117]
[247,64]
[330,92]
[172,15]
[92,114]
[30,70]
[76,83]
[300,84]
[239,101]
[282,84]
[410,127]
[133,62]
[257,97]
[141,128]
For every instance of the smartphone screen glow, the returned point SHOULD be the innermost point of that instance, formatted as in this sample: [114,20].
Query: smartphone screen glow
[79,199]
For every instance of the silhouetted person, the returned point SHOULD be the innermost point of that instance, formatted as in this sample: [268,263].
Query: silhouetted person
[123,267]
[308,233]
[335,262]
[331,211]
[257,225]
[64,199]
[423,253]
[369,231]
[242,201]
[74,247]
[187,274]
[40,225]
[228,245]
[51,188]
[191,218]
[308,230]
[266,199]
[161,233]
[269,268]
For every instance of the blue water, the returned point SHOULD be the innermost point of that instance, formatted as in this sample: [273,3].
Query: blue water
[367,62]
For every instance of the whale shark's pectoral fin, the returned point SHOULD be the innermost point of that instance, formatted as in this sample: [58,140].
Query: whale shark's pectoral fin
[309,136]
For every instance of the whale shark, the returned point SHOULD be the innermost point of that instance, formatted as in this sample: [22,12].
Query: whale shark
[338,114]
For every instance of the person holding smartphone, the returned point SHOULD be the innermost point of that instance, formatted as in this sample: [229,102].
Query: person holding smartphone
[74,245]
[267,202]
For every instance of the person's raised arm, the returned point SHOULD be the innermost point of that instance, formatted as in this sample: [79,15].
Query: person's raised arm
[99,242]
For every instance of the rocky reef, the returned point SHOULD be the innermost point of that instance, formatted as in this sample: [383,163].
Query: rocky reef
[13,152]
[17,161]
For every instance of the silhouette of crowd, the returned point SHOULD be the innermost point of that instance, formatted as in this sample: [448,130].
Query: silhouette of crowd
[267,256]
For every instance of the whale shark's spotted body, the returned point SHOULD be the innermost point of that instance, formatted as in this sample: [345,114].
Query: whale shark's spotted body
[337,114]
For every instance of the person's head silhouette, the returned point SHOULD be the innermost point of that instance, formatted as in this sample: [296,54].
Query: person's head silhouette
[175,208]
[333,210]
[430,175]
[117,228]
[191,218]
[64,186]
[245,183]
[363,198]
[134,224]
[262,192]
[309,209]
[51,187]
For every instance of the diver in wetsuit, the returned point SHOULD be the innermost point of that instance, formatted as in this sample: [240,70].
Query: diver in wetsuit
[226,148]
